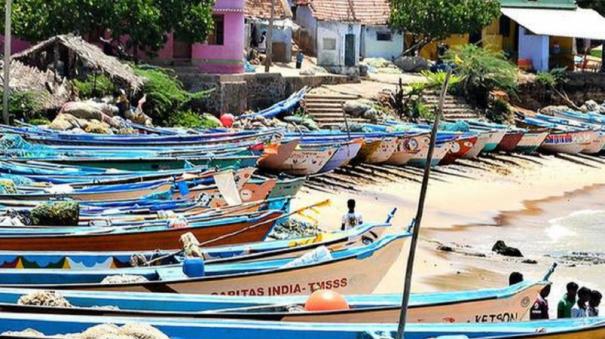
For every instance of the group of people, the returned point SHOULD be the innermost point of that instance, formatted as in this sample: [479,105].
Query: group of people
[578,302]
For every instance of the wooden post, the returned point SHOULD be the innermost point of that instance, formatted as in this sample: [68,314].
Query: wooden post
[7,59]
[419,212]
[269,51]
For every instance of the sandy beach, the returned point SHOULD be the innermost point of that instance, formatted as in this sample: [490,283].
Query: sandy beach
[469,206]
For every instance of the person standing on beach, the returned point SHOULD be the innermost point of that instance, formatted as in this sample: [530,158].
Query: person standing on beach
[569,299]
[593,303]
[580,310]
[540,309]
[351,219]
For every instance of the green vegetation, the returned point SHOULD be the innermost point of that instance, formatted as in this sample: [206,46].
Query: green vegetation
[499,111]
[553,78]
[482,71]
[435,80]
[95,86]
[166,95]
[431,20]
[189,119]
[25,105]
[145,22]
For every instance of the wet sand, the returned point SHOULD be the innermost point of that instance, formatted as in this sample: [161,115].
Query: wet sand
[469,206]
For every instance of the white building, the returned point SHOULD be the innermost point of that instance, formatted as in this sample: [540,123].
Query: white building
[342,32]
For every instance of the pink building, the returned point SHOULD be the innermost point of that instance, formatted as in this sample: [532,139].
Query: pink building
[221,54]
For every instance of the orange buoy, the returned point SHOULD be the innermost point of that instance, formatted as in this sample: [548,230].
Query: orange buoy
[227,120]
[326,300]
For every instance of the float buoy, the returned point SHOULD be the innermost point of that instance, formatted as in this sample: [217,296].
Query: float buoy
[326,300]
[194,267]
[227,120]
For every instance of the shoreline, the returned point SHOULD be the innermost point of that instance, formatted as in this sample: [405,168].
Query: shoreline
[464,198]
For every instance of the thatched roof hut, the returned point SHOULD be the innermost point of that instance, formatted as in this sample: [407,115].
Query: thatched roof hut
[50,91]
[71,56]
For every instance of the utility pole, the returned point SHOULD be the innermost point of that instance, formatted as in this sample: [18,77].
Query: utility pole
[270,39]
[7,58]
[416,230]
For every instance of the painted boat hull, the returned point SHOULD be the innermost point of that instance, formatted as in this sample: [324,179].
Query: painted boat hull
[568,143]
[345,153]
[143,241]
[381,153]
[459,148]
[441,150]
[530,142]
[482,140]
[494,141]
[510,141]
[596,145]
[490,308]
[307,161]
[284,151]
[407,147]
[343,276]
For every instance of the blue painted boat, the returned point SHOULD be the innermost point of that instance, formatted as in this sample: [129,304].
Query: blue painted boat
[457,306]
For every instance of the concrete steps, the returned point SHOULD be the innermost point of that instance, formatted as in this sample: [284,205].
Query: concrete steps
[326,109]
[454,108]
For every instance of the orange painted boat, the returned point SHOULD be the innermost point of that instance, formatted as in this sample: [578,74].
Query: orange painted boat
[276,160]
[459,148]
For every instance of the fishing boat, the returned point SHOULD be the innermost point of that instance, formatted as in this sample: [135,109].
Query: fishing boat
[531,141]
[561,139]
[407,147]
[283,152]
[483,138]
[108,260]
[241,229]
[50,324]
[346,152]
[348,271]
[597,143]
[441,150]
[379,150]
[489,305]
[307,159]
[510,140]
[460,146]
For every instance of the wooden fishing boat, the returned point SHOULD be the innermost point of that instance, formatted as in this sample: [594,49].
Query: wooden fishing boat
[50,324]
[377,151]
[276,249]
[286,187]
[284,151]
[349,271]
[510,140]
[572,142]
[307,160]
[407,147]
[459,148]
[346,152]
[502,305]
[597,143]
[242,229]
[483,137]
[531,141]
[494,140]
[440,151]
[94,193]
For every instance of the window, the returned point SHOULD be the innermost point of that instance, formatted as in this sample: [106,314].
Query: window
[217,35]
[384,36]
[329,44]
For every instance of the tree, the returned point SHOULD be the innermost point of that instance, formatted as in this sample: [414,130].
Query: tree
[431,20]
[146,23]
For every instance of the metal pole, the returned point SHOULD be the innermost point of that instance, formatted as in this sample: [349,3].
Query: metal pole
[270,39]
[7,59]
[418,219]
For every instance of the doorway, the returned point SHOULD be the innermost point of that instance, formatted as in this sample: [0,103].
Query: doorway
[350,50]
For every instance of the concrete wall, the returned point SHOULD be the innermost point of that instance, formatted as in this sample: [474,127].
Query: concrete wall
[337,31]
[282,35]
[371,47]
[534,48]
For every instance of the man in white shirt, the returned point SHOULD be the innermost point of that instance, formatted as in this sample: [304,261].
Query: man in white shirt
[580,310]
[351,219]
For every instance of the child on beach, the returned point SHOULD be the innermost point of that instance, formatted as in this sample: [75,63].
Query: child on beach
[568,301]
[580,310]
[540,309]
[351,219]
[593,303]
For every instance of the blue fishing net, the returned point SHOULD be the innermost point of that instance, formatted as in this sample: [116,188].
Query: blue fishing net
[15,146]
[167,195]
[458,126]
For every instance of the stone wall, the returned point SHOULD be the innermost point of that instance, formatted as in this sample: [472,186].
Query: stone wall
[239,93]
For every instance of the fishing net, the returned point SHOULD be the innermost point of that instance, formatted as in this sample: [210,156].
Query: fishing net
[60,213]
[7,186]
[458,126]
[103,331]
[44,298]
[14,145]
[123,279]
[27,333]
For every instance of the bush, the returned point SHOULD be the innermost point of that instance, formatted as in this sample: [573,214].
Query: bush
[25,105]
[38,121]
[165,94]
[189,119]
[95,86]
[499,112]
[435,80]
[482,71]
[553,78]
